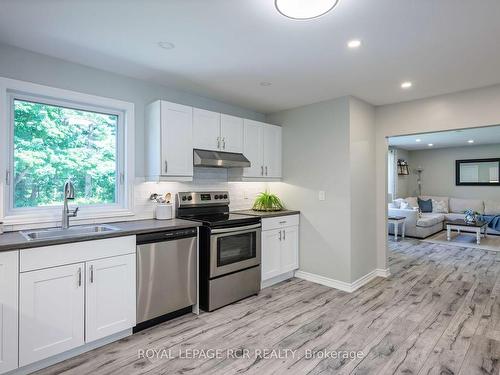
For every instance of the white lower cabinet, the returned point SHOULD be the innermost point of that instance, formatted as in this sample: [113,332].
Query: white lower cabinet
[110,297]
[9,274]
[73,294]
[280,246]
[51,312]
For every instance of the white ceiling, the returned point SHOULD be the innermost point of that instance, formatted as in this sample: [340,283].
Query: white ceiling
[225,48]
[456,138]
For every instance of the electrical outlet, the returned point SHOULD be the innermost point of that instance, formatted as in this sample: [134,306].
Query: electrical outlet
[245,194]
[322,195]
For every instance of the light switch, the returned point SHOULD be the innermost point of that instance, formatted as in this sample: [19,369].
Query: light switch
[322,195]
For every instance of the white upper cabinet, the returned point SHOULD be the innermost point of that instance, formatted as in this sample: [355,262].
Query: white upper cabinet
[217,132]
[206,129]
[262,146]
[231,132]
[169,140]
[51,312]
[9,274]
[110,296]
[272,151]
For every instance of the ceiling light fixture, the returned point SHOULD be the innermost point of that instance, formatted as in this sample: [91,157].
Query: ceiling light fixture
[406,85]
[355,43]
[304,9]
[265,84]
[470,141]
[418,140]
[430,144]
[166,45]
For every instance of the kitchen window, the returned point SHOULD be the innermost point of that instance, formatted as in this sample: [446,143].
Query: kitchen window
[69,136]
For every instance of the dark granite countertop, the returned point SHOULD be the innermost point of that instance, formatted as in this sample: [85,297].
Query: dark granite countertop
[264,214]
[15,241]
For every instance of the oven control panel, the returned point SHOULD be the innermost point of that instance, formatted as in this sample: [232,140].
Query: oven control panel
[199,198]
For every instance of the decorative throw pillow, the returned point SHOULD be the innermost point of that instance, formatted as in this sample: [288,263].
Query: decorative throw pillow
[412,201]
[425,206]
[439,207]
[404,205]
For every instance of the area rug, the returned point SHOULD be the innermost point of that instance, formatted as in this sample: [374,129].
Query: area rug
[466,240]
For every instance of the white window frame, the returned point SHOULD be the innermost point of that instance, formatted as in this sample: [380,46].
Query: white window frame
[13,89]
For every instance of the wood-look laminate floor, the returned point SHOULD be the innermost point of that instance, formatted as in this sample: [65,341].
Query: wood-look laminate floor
[439,313]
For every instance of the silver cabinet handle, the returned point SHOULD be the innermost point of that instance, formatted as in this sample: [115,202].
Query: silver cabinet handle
[282,222]
[218,142]
[79,276]
[91,274]
[262,170]
[284,235]
[280,235]
[224,143]
[166,166]
[266,170]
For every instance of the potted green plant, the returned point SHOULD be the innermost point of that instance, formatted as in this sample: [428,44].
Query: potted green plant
[267,201]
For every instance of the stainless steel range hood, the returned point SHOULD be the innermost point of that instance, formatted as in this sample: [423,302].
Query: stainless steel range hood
[219,159]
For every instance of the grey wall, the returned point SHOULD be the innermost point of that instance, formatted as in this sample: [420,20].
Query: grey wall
[330,147]
[24,65]
[403,182]
[316,157]
[438,177]
[362,170]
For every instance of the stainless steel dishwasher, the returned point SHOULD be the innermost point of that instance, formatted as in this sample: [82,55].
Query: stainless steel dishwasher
[166,275]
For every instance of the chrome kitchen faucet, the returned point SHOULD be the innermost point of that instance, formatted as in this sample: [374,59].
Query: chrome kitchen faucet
[69,193]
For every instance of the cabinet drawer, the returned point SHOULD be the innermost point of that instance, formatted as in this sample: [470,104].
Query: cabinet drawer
[76,252]
[280,222]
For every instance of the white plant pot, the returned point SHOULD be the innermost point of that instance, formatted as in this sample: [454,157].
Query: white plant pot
[164,211]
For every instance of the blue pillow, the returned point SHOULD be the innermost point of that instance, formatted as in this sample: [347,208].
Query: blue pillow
[425,206]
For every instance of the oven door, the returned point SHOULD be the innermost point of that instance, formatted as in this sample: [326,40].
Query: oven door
[234,249]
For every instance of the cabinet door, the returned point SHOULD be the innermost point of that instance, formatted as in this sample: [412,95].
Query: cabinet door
[9,273]
[51,312]
[271,254]
[290,249]
[176,140]
[253,148]
[206,128]
[110,298]
[272,151]
[231,133]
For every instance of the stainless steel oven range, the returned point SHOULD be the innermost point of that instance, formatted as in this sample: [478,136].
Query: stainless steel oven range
[230,248]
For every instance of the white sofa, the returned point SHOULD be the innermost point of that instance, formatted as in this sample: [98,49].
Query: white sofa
[430,223]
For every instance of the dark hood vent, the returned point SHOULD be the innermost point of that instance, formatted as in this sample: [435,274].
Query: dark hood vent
[219,159]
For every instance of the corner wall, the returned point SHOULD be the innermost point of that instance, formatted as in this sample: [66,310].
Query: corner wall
[329,146]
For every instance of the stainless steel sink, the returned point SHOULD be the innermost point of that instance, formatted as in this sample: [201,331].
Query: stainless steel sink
[55,233]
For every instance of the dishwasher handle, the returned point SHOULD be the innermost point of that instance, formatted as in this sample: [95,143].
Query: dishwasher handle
[170,235]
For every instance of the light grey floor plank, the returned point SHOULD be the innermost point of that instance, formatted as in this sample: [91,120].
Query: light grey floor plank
[439,312]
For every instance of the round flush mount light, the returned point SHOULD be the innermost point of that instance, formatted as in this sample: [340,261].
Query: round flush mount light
[304,9]
[418,140]
[470,141]
[355,43]
[430,144]
[166,45]
[265,84]
[406,85]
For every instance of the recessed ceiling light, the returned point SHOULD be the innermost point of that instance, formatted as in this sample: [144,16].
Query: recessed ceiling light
[355,43]
[406,85]
[304,9]
[418,140]
[265,83]
[166,45]
[430,144]
[470,141]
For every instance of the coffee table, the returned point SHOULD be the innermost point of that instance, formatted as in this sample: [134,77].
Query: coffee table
[462,225]
[396,220]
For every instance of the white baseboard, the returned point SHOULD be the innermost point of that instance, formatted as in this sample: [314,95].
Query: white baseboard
[276,280]
[342,285]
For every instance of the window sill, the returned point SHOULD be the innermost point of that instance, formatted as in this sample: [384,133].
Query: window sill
[46,218]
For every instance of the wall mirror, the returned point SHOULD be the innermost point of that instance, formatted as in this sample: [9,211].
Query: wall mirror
[479,172]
